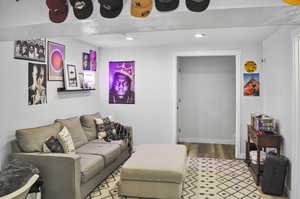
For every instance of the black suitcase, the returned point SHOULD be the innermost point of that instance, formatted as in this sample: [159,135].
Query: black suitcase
[275,169]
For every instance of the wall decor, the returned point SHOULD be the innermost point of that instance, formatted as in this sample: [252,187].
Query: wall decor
[71,77]
[56,61]
[93,60]
[89,80]
[250,66]
[86,61]
[34,50]
[37,84]
[122,82]
[251,84]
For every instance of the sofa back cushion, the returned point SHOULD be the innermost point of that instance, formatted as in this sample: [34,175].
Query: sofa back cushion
[73,125]
[32,139]
[89,126]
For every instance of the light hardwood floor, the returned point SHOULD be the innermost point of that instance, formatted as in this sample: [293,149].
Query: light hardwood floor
[223,151]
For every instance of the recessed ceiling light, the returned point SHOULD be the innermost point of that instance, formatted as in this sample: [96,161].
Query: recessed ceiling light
[199,35]
[129,38]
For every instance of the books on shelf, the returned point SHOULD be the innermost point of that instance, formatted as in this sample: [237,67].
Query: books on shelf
[262,122]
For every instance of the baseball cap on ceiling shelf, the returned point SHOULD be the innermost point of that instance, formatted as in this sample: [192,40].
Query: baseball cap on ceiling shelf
[292,2]
[58,10]
[141,8]
[110,8]
[197,5]
[82,9]
[166,5]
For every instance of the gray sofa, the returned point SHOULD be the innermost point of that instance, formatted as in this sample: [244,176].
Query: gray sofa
[72,176]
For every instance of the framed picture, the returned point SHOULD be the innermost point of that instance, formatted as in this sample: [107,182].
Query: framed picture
[86,61]
[56,61]
[71,77]
[33,50]
[93,60]
[89,80]
[251,84]
[122,82]
[37,84]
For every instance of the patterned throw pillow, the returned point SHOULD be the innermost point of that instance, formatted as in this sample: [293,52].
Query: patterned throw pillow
[52,145]
[66,141]
[105,129]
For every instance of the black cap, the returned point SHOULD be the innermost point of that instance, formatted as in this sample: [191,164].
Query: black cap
[166,5]
[197,5]
[110,8]
[82,8]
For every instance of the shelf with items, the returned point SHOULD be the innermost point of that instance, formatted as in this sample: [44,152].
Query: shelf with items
[62,90]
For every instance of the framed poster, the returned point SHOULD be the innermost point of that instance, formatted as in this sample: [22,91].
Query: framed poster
[33,50]
[93,60]
[251,84]
[71,77]
[37,84]
[89,80]
[86,61]
[56,61]
[122,82]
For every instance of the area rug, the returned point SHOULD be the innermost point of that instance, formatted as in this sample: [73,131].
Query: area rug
[206,178]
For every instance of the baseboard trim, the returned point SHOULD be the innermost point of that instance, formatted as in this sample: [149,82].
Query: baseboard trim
[208,141]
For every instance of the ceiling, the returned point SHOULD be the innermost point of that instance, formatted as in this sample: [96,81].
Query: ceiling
[224,36]
[28,19]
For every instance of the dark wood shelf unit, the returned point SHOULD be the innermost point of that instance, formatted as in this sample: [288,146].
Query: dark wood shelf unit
[63,90]
[267,140]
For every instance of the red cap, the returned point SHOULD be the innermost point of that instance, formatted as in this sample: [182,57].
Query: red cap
[58,15]
[56,4]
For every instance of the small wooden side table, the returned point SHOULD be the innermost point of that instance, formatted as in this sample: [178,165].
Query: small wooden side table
[267,140]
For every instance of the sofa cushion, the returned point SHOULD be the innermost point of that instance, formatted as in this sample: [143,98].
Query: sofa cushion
[108,151]
[74,126]
[31,140]
[66,141]
[53,145]
[89,126]
[90,165]
[121,143]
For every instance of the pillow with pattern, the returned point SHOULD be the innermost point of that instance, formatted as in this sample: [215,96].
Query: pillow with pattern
[66,141]
[105,128]
[52,145]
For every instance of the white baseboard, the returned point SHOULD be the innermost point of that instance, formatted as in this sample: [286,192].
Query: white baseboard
[208,141]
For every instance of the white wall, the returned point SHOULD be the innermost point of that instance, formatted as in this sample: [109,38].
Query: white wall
[14,108]
[278,85]
[152,117]
[207,108]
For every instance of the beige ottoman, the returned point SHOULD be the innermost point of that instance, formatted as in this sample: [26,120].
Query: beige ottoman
[154,171]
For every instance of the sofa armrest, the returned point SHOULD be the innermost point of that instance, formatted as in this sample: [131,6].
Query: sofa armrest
[130,136]
[60,173]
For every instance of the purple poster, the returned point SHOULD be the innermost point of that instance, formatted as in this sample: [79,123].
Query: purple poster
[122,82]
[93,60]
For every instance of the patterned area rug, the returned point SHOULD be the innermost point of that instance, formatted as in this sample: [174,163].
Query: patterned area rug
[207,178]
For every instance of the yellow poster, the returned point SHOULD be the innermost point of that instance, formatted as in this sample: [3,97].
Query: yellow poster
[292,2]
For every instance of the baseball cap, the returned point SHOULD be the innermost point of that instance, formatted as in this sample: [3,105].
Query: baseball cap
[292,2]
[110,8]
[82,8]
[58,10]
[197,5]
[166,5]
[141,8]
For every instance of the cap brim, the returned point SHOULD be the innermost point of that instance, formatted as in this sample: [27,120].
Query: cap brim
[197,6]
[141,12]
[59,18]
[85,13]
[172,5]
[292,2]
[111,13]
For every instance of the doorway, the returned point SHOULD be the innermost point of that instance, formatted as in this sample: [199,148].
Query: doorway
[208,98]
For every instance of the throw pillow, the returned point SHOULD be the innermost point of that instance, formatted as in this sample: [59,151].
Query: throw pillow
[66,141]
[52,145]
[105,129]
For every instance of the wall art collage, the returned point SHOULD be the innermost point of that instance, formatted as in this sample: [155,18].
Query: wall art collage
[36,51]
[251,79]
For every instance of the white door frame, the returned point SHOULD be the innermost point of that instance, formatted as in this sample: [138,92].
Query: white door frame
[237,54]
[296,115]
